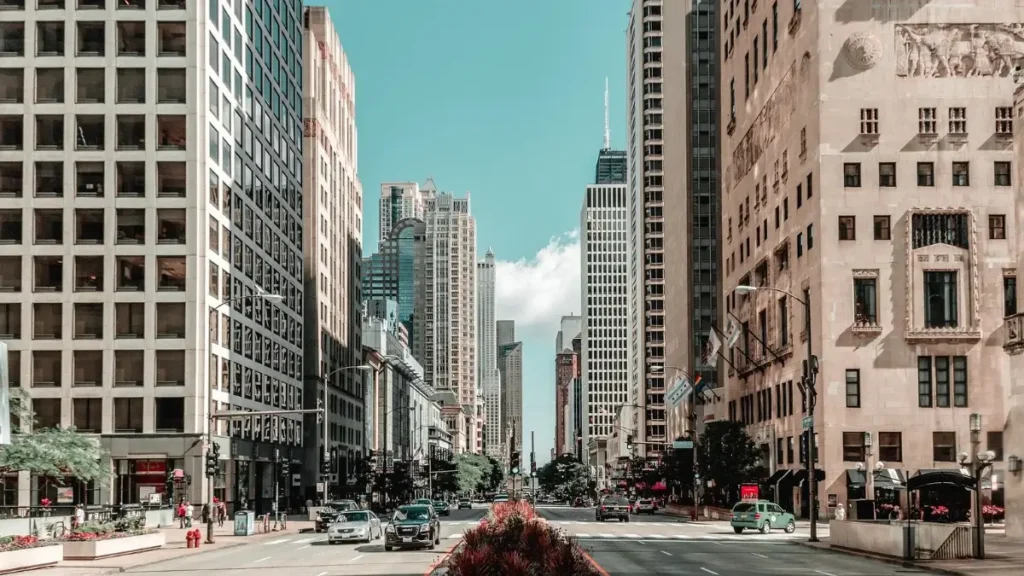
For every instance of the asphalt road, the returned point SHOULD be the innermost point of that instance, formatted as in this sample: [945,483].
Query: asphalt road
[309,554]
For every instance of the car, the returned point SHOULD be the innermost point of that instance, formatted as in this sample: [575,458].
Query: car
[325,517]
[761,515]
[644,507]
[465,504]
[424,502]
[613,507]
[441,507]
[413,526]
[501,498]
[354,526]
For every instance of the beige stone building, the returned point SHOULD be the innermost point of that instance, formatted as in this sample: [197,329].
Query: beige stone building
[867,170]
[1013,342]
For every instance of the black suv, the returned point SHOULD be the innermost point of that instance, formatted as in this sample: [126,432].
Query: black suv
[613,507]
[414,526]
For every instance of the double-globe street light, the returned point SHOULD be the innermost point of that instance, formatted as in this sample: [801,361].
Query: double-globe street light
[326,379]
[810,375]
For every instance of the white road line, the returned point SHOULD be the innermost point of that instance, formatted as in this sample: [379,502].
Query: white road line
[322,574]
[824,573]
[659,536]
[583,535]
[361,555]
[607,536]
[303,541]
[261,560]
[709,571]
[665,553]
[303,547]
[631,535]
[758,555]
[282,541]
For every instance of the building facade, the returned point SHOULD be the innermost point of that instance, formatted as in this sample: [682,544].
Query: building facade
[565,373]
[402,200]
[488,375]
[395,273]
[867,175]
[450,327]
[332,218]
[604,335]
[569,328]
[510,366]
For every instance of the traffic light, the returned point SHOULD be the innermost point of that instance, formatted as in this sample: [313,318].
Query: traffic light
[213,460]
[325,464]
[629,439]
[320,411]
[515,463]
[286,469]
[533,467]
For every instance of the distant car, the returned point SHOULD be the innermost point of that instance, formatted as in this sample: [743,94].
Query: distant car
[325,517]
[424,502]
[441,507]
[644,507]
[761,515]
[354,526]
[613,507]
[501,498]
[414,526]
[465,504]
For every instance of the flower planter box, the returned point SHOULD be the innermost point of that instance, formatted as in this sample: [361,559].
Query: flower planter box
[30,558]
[96,549]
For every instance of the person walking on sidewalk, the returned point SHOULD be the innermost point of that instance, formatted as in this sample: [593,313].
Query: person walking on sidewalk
[222,513]
[189,511]
[181,514]
[79,517]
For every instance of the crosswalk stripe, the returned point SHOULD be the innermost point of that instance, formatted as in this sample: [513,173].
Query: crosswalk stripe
[658,536]
[281,541]
[631,535]
[304,540]
[583,535]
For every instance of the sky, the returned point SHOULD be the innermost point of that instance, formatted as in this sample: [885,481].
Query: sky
[503,99]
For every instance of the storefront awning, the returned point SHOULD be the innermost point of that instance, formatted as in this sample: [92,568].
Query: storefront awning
[778,476]
[855,478]
[890,479]
[800,476]
[943,477]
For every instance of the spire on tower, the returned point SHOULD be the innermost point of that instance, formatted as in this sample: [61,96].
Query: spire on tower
[607,128]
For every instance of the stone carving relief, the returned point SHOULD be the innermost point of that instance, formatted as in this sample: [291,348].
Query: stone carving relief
[863,51]
[772,120]
[958,50]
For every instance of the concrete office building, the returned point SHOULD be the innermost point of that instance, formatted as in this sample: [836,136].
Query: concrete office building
[135,165]
[449,343]
[488,375]
[569,328]
[867,165]
[401,200]
[565,370]
[604,336]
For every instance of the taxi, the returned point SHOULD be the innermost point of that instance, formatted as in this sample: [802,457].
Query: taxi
[761,515]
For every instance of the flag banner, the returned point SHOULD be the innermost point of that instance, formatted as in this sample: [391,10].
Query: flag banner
[732,335]
[711,349]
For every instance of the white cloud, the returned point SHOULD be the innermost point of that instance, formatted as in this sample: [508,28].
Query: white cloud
[538,291]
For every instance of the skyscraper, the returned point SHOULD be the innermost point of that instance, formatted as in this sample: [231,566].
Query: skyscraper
[396,273]
[565,373]
[510,365]
[401,200]
[450,327]
[332,216]
[489,376]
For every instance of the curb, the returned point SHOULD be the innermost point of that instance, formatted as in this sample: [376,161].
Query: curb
[225,546]
[593,563]
[436,565]
[887,559]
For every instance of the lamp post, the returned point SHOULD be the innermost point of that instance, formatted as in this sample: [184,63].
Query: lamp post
[810,376]
[210,405]
[869,475]
[326,379]
[979,462]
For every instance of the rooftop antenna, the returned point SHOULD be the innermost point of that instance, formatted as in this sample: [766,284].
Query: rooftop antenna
[607,128]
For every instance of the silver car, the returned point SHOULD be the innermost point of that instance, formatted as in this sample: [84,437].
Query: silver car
[354,526]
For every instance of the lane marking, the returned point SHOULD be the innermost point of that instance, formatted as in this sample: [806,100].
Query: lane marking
[709,571]
[303,547]
[665,553]
[659,536]
[361,555]
[583,535]
[606,536]
[322,574]
[282,541]
[759,555]
[824,573]
[261,560]
[303,541]
[631,535]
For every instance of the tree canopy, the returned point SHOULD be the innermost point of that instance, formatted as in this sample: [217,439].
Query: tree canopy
[564,477]
[727,457]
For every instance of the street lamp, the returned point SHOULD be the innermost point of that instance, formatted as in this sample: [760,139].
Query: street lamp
[326,380]
[979,463]
[210,405]
[810,376]
[410,409]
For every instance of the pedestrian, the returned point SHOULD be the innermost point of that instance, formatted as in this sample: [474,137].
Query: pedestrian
[222,512]
[79,516]
[181,514]
[189,511]
[840,512]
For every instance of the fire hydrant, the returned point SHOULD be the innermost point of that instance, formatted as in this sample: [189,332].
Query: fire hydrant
[188,539]
[198,537]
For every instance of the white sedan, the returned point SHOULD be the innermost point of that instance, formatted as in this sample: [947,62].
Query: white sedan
[354,526]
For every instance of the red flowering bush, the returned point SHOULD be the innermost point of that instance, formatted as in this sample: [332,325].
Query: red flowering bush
[992,513]
[107,531]
[11,543]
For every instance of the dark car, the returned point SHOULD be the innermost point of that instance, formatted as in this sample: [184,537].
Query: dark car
[465,504]
[325,517]
[414,526]
[441,507]
[613,507]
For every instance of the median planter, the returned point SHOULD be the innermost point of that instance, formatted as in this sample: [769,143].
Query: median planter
[113,545]
[20,559]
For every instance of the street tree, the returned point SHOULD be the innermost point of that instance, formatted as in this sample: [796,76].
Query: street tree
[445,480]
[679,471]
[468,475]
[727,457]
[564,477]
[497,476]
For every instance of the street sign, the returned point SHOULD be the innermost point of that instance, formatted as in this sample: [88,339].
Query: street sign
[319,487]
[808,422]
[682,444]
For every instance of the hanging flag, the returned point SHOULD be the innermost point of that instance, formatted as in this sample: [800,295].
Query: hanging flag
[711,349]
[732,335]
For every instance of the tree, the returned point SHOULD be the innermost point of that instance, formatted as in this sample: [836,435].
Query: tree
[497,475]
[564,477]
[727,457]
[444,479]
[468,474]
[679,470]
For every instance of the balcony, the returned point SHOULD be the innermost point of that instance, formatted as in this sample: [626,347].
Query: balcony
[10,329]
[49,132]
[49,85]
[131,226]
[89,179]
[49,38]
[129,320]
[12,133]
[129,368]
[170,367]
[49,274]
[12,39]
[91,133]
[12,179]
[49,227]
[88,321]
[87,413]
[172,40]
[47,321]
[131,179]
[11,227]
[12,86]
[10,273]
[172,132]
[128,415]
[89,226]
[131,85]
[49,180]
[170,179]
[170,320]
[89,274]
[171,223]
[171,86]
[172,273]
[88,367]
[92,86]
[46,369]
[131,132]
[92,38]
[131,38]
[131,274]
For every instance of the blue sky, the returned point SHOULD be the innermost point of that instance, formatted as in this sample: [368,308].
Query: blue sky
[503,99]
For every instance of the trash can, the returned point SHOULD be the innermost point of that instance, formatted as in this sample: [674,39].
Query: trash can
[245,523]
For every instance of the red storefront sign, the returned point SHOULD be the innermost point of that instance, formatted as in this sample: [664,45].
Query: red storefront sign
[749,492]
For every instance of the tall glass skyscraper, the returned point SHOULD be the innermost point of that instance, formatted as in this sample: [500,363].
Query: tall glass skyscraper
[395,273]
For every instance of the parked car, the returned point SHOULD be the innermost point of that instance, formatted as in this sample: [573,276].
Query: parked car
[414,526]
[613,507]
[325,517]
[354,526]
[761,515]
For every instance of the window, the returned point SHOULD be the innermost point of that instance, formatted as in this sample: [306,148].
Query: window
[847,227]
[882,228]
[924,381]
[868,121]
[746,75]
[853,447]
[961,174]
[853,388]
[810,236]
[887,174]
[1004,120]
[890,446]
[865,301]
[775,27]
[958,120]
[783,322]
[995,443]
[926,174]
[851,174]
[941,380]
[944,446]
[799,244]
[1002,173]
[997,227]
[779,451]
[732,99]
[926,121]
[960,381]
[1009,295]
[940,299]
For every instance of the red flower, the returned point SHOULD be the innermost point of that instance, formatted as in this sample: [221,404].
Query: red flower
[45,502]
